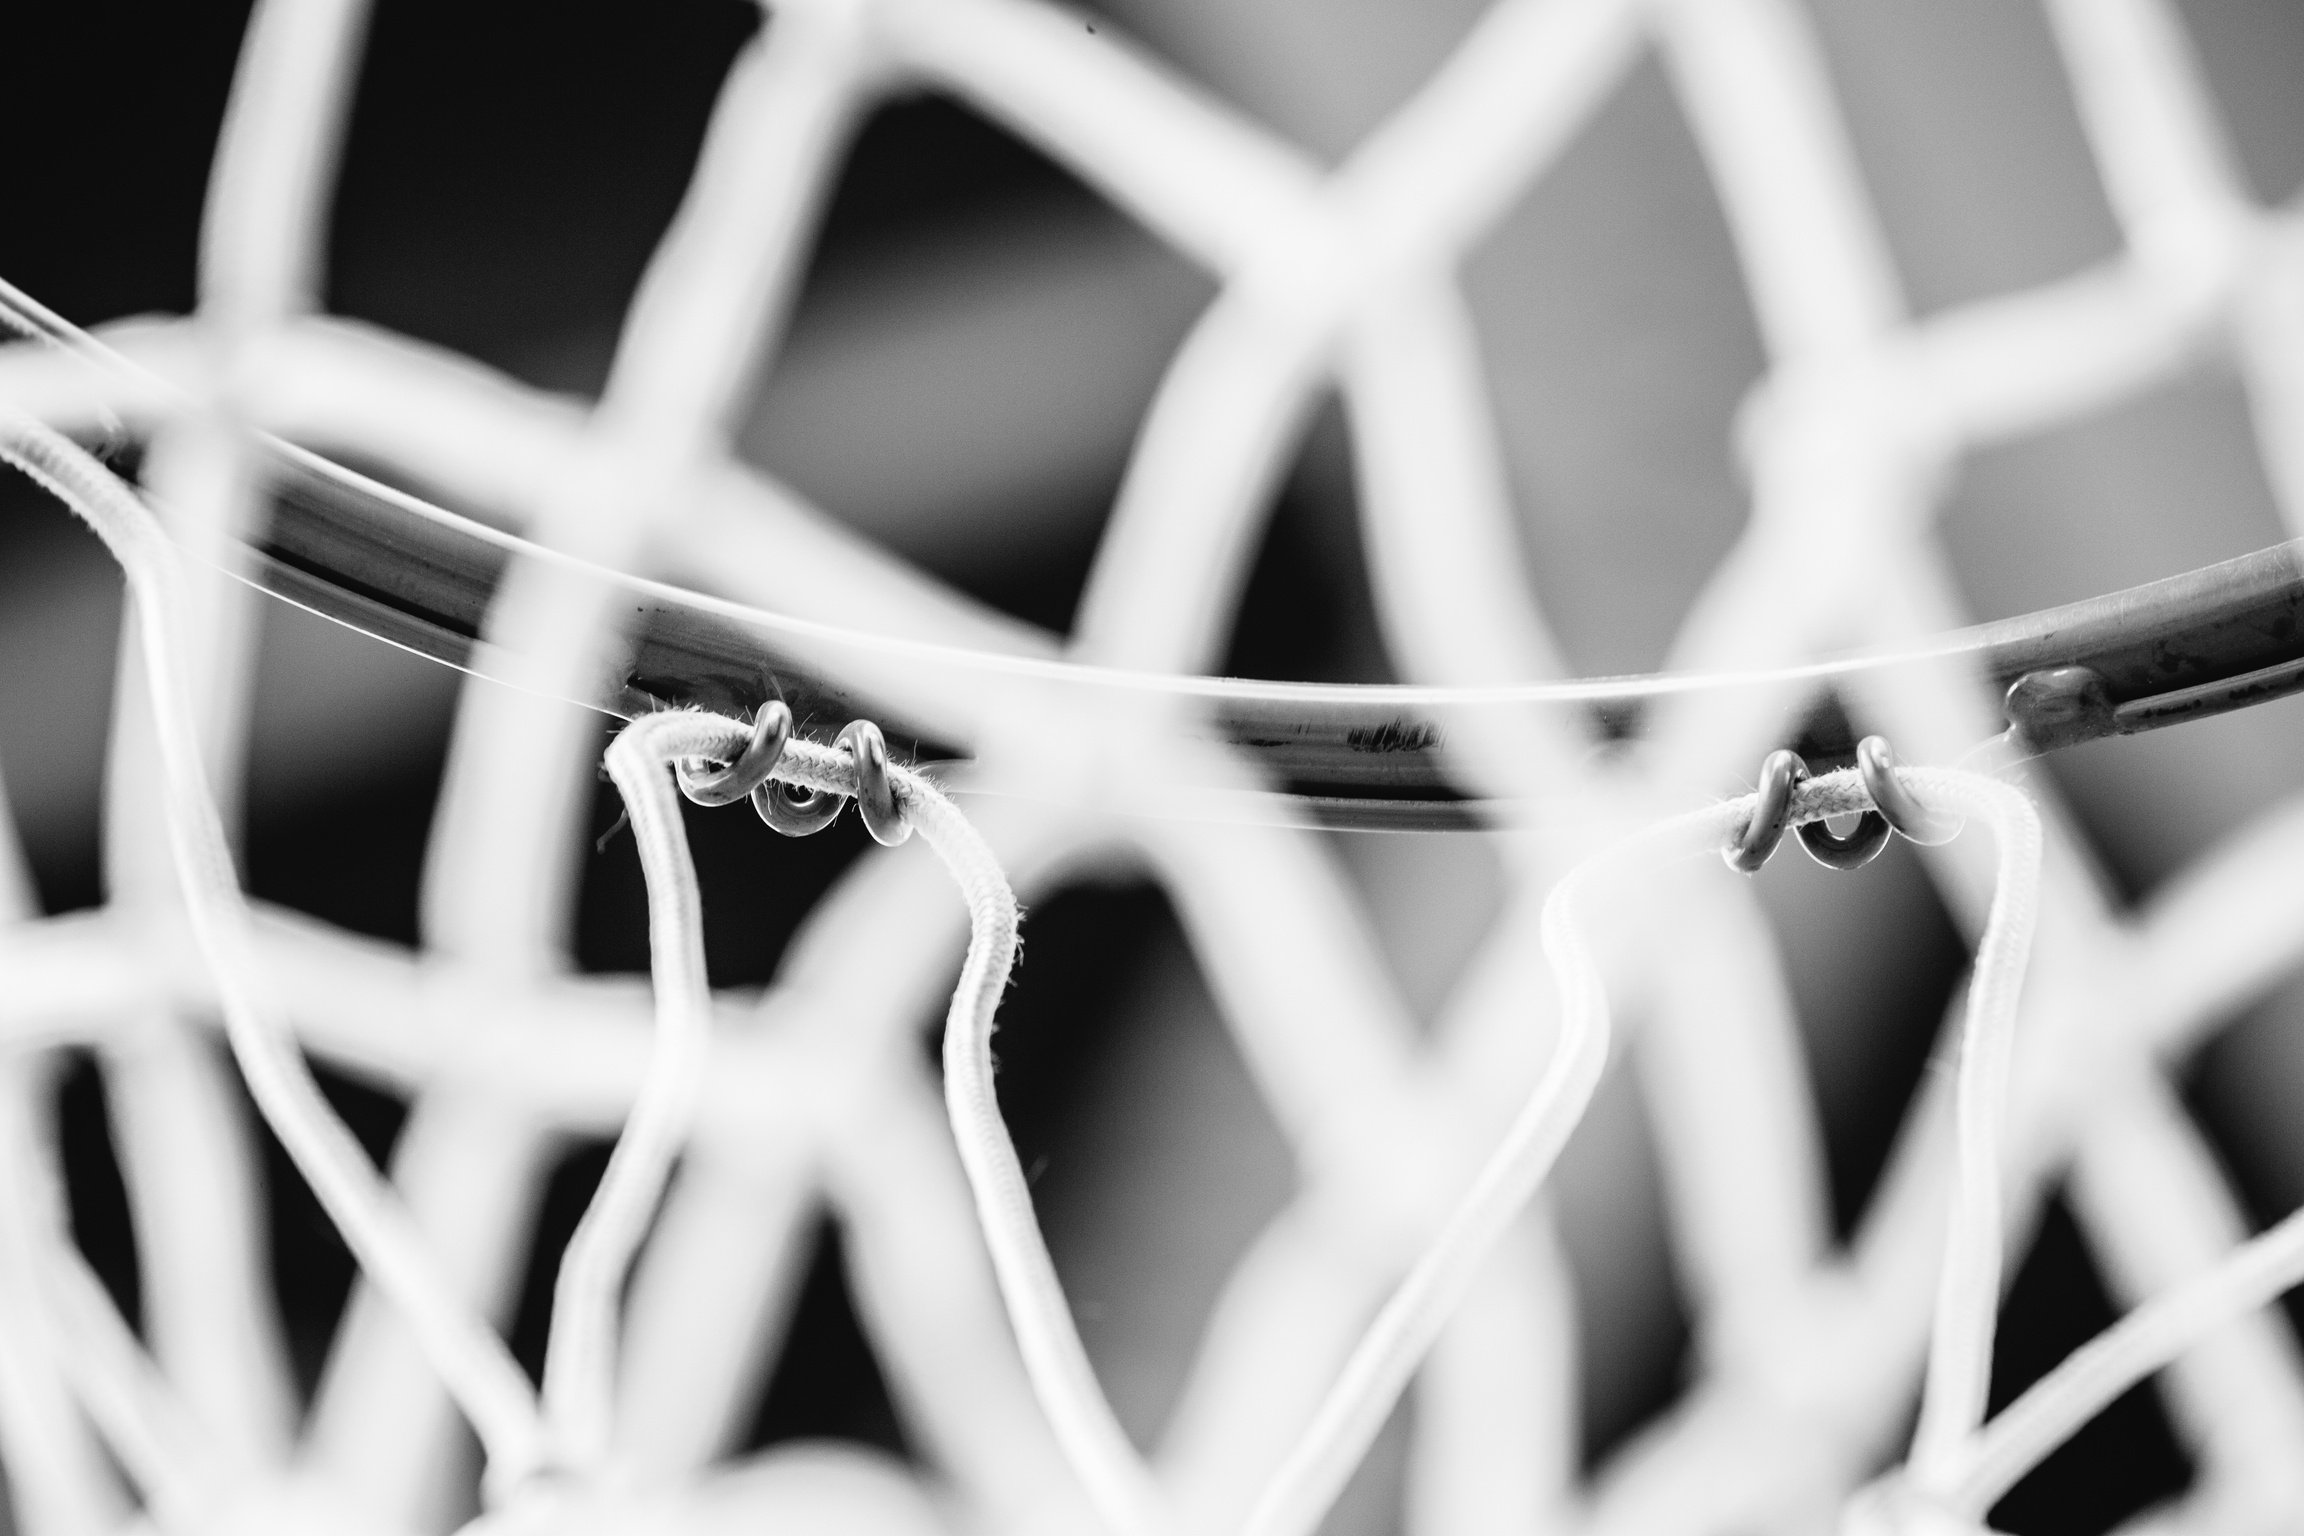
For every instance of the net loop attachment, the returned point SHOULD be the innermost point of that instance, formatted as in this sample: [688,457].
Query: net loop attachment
[1876,762]
[875,792]
[1894,810]
[731,782]
[793,809]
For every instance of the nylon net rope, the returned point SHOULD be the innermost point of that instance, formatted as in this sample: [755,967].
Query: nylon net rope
[816,1095]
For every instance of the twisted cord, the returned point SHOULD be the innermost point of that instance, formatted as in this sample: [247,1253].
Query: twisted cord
[1959,1368]
[1959,1373]
[1308,1481]
[1332,1445]
[1099,1450]
[580,1357]
[1347,1422]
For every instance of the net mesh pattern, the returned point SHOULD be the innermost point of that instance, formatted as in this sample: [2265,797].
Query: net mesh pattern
[1809,1350]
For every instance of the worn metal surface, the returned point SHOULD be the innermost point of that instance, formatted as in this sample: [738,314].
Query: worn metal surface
[2222,637]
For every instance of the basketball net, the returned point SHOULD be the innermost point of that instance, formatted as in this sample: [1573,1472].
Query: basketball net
[1411,1247]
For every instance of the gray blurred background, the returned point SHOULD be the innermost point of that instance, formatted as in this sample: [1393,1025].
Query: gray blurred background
[976,345]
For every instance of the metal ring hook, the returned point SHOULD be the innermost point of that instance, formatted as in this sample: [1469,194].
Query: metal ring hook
[1876,761]
[1780,773]
[1859,848]
[794,811]
[875,791]
[771,729]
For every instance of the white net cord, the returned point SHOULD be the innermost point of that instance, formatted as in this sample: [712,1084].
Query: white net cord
[1809,1355]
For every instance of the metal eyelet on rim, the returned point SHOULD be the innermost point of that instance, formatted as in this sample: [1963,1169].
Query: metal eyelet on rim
[771,729]
[1780,773]
[875,791]
[794,811]
[1876,761]
[1859,848]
